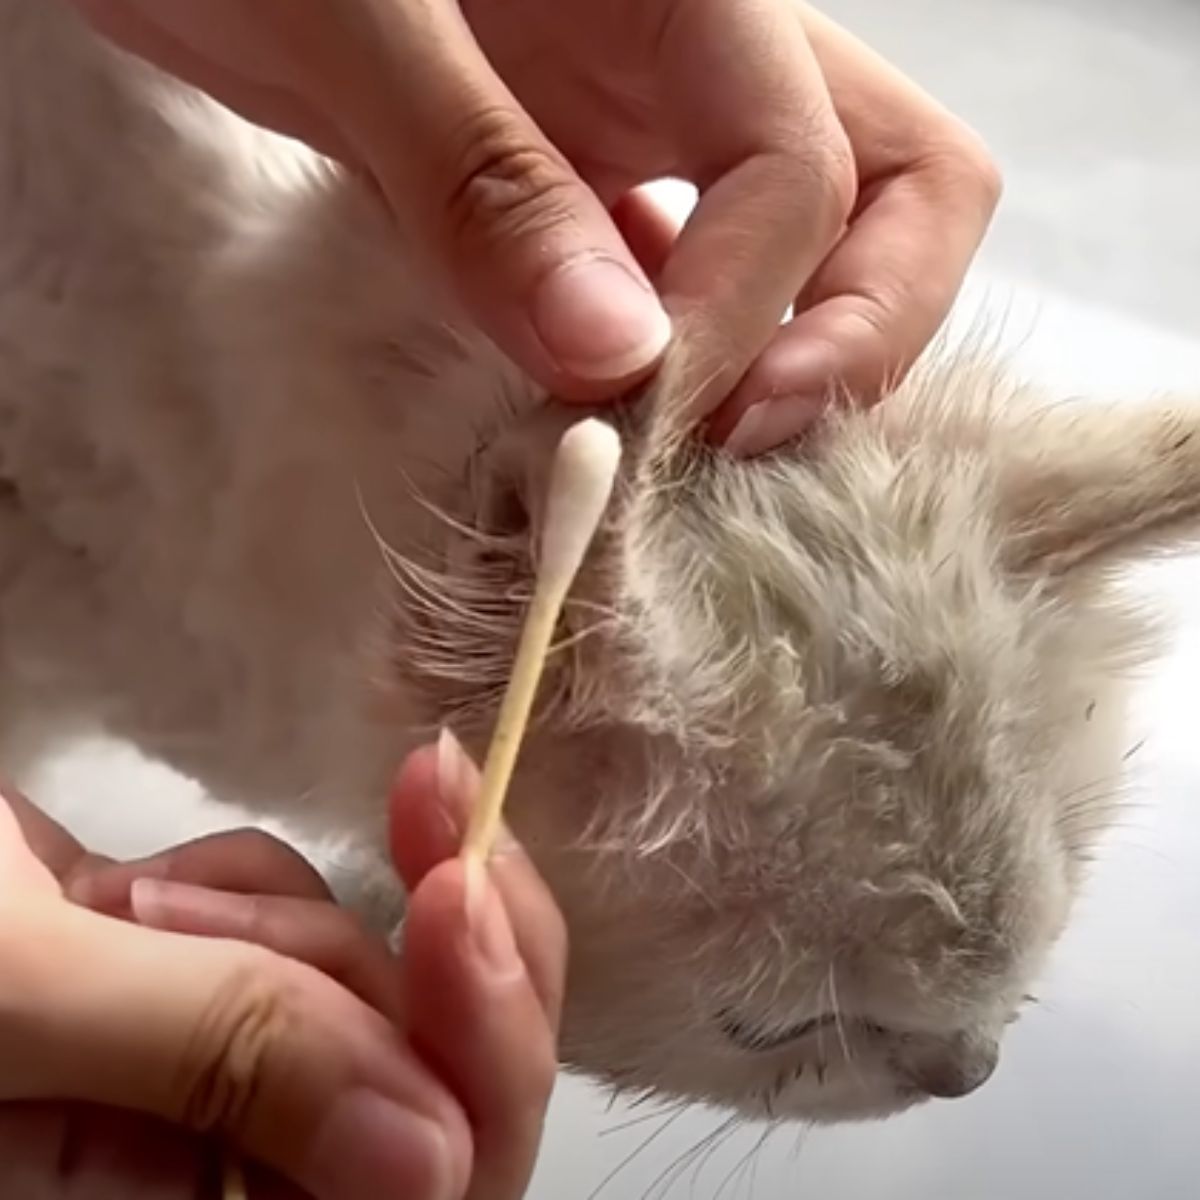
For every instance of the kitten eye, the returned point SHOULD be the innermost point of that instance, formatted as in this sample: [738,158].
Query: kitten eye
[758,1040]
[748,1037]
[1027,1001]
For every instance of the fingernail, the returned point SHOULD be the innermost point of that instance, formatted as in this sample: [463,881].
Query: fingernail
[599,321]
[767,425]
[454,770]
[371,1148]
[487,922]
[746,430]
[108,888]
[181,906]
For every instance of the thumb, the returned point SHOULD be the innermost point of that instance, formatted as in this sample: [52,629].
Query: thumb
[226,1038]
[528,246]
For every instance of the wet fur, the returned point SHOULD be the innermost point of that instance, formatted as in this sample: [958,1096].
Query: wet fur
[830,735]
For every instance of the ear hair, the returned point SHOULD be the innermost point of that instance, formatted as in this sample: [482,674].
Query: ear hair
[1085,486]
[1081,484]
[660,420]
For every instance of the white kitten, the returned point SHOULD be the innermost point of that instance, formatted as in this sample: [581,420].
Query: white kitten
[816,781]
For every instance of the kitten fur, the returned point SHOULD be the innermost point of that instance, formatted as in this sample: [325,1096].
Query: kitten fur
[830,736]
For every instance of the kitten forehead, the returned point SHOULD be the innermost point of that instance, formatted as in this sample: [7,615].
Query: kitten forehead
[781,599]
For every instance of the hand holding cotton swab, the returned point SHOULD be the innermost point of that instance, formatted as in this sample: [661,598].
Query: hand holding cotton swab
[581,483]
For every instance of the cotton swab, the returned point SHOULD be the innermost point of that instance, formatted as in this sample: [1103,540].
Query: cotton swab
[581,483]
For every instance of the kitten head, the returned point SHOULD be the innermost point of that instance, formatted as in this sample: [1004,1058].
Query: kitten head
[829,735]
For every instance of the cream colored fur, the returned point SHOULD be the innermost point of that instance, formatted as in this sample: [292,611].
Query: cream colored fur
[831,735]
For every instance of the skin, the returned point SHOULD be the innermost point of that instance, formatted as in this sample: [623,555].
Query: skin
[510,140]
[218,990]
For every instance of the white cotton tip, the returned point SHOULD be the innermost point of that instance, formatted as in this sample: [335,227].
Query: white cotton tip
[581,483]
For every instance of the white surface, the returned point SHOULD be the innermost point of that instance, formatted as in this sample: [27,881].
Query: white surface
[1094,107]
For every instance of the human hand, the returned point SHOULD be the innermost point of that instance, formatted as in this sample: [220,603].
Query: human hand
[510,139]
[273,1021]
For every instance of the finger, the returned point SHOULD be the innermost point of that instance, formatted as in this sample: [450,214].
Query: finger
[36,853]
[406,91]
[649,230]
[137,31]
[430,808]
[474,1014]
[245,861]
[929,192]
[85,1152]
[229,1039]
[867,315]
[891,122]
[316,932]
[46,838]
[526,243]
[538,926]
[427,810]
[776,179]
[92,1153]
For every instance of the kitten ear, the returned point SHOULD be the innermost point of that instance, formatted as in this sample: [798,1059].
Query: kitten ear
[511,474]
[1085,485]
[463,605]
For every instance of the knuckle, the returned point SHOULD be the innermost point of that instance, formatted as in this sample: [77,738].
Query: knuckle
[504,183]
[874,314]
[272,864]
[249,1021]
[881,325]
[824,175]
[257,847]
[821,146]
[836,162]
[968,171]
[989,179]
[887,346]
[257,924]
[540,1078]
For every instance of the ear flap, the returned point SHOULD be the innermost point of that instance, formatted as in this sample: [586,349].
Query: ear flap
[1085,485]
[510,475]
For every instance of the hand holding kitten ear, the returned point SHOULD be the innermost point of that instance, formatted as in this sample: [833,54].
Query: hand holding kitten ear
[216,991]
[509,138]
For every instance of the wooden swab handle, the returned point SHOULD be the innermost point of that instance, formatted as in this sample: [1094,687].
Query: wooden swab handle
[581,484]
[514,717]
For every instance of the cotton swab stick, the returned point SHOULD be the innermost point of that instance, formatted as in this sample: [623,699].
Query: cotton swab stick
[581,483]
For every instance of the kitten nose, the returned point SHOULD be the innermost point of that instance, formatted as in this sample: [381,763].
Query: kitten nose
[955,1068]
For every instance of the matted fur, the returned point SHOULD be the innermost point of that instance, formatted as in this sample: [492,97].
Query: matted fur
[830,735]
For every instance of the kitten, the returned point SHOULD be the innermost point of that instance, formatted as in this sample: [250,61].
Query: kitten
[814,776]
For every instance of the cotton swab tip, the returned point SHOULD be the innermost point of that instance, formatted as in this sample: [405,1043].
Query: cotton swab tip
[581,483]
